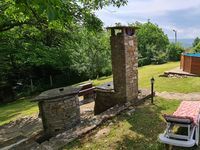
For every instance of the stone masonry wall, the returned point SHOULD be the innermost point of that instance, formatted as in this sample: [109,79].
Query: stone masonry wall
[124,56]
[59,114]
[104,100]
[118,65]
[131,54]
[124,66]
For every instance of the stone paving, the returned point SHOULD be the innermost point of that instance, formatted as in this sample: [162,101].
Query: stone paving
[27,129]
[19,130]
[25,132]
[179,96]
[179,71]
[31,128]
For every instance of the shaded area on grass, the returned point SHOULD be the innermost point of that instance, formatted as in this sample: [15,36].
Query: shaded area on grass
[17,109]
[138,131]
[148,123]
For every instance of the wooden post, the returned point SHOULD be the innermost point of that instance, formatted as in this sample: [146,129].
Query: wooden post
[152,89]
[51,81]
[31,85]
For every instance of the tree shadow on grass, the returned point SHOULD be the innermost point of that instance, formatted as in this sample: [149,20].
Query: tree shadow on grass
[136,132]
[148,123]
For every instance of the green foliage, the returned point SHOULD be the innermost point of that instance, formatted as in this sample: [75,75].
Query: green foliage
[92,56]
[42,12]
[77,55]
[196,41]
[197,48]
[52,37]
[174,51]
[152,44]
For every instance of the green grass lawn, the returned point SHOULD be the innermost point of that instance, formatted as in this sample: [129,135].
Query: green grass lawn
[17,109]
[139,131]
[182,85]
[14,110]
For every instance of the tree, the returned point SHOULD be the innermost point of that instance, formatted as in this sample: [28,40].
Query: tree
[44,37]
[92,56]
[40,13]
[196,41]
[197,48]
[174,51]
[152,43]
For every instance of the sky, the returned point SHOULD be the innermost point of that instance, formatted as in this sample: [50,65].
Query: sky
[180,15]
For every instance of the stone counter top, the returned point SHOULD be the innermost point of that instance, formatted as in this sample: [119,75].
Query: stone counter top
[58,93]
[107,87]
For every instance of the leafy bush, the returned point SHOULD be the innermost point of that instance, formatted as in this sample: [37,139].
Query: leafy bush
[160,58]
[197,48]
[196,41]
[152,44]
[174,51]
[143,61]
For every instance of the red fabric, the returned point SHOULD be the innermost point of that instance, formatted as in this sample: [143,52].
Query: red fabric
[189,109]
[179,117]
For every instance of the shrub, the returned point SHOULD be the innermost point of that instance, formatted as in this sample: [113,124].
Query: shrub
[161,58]
[197,48]
[174,51]
[152,44]
[196,41]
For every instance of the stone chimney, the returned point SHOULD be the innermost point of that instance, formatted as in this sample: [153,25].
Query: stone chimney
[124,62]
[125,70]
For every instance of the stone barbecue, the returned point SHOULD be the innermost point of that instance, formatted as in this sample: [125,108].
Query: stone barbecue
[59,109]
[124,56]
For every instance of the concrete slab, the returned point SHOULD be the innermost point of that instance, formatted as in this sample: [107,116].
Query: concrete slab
[179,71]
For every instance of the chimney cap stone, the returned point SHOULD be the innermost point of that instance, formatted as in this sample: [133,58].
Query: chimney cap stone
[123,27]
[125,30]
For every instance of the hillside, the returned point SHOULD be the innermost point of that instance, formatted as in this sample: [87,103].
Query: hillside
[186,43]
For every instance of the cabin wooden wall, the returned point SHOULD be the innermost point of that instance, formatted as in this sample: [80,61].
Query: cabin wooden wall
[190,64]
[195,65]
[187,64]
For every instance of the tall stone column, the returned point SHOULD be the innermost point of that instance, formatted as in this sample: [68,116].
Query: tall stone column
[125,71]
[124,63]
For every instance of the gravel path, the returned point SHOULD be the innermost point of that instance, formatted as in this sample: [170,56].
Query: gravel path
[179,96]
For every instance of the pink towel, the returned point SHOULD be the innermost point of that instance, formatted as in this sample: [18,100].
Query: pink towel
[189,109]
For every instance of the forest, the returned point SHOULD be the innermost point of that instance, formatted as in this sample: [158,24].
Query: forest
[53,43]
